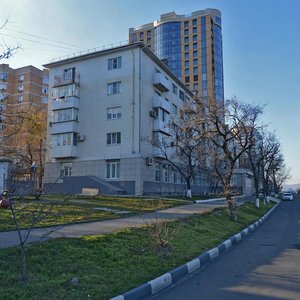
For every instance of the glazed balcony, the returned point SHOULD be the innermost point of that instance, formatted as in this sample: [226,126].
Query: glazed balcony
[67,126]
[161,126]
[65,102]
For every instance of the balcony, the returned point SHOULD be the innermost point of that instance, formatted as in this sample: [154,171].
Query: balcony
[64,151]
[159,125]
[66,102]
[160,102]
[67,78]
[61,127]
[161,82]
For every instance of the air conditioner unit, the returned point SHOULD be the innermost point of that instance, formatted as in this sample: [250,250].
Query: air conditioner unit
[149,161]
[80,138]
[153,113]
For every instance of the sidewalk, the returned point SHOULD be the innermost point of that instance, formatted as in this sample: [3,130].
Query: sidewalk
[10,238]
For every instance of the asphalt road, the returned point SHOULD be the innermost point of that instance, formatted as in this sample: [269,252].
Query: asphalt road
[266,265]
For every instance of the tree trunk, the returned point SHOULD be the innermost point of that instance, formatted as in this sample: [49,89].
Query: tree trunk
[188,188]
[24,265]
[257,202]
[230,200]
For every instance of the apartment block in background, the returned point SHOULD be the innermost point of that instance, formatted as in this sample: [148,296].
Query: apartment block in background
[191,45]
[104,109]
[21,89]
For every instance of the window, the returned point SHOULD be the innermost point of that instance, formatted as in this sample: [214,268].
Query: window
[195,38]
[113,138]
[187,72]
[195,61]
[65,169]
[166,172]
[194,22]
[149,34]
[186,47]
[194,29]
[114,88]
[44,100]
[175,89]
[21,88]
[134,38]
[186,24]
[66,91]
[113,169]
[114,113]
[174,109]
[187,79]
[186,63]
[149,41]
[141,35]
[65,139]
[65,115]
[195,45]
[158,167]
[186,55]
[195,53]
[186,31]
[181,95]
[115,63]
[195,77]
[186,39]
[195,70]
[45,90]
[195,87]
[20,99]
[21,78]
[3,76]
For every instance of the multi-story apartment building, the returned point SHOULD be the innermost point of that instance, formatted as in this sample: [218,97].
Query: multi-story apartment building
[21,89]
[191,45]
[104,109]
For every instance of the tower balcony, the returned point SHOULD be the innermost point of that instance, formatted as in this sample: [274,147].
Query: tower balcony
[161,82]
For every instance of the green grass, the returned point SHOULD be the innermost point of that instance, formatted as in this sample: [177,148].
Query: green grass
[108,265]
[69,209]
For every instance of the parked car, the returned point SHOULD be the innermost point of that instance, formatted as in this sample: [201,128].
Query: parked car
[287,196]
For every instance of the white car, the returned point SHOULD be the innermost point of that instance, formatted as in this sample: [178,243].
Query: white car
[288,196]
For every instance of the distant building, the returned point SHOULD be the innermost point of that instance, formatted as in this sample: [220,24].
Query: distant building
[191,45]
[103,109]
[20,89]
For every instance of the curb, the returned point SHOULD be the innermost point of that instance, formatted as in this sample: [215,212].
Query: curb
[156,285]
[215,199]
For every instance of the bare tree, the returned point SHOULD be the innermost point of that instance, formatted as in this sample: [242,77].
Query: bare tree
[231,133]
[6,50]
[183,149]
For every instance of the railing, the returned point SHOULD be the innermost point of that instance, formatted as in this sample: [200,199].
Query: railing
[67,78]
[89,51]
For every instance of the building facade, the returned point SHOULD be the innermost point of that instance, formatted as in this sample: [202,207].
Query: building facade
[191,45]
[22,91]
[104,110]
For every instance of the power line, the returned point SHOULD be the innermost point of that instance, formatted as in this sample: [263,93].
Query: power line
[36,41]
[40,37]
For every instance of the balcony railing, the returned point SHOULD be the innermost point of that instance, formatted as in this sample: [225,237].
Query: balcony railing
[67,78]
[67,126]
[64,151]
[161,82]
[160,102]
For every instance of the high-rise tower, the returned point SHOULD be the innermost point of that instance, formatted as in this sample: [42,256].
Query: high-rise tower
[191,45]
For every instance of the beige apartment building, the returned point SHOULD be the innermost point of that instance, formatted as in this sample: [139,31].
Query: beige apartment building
[103,110]
[21,89]
[191,45]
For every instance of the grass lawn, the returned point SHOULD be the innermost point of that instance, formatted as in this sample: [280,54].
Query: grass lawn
[107,265]
[68,209]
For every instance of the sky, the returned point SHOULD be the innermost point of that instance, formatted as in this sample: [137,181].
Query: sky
[261,46]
